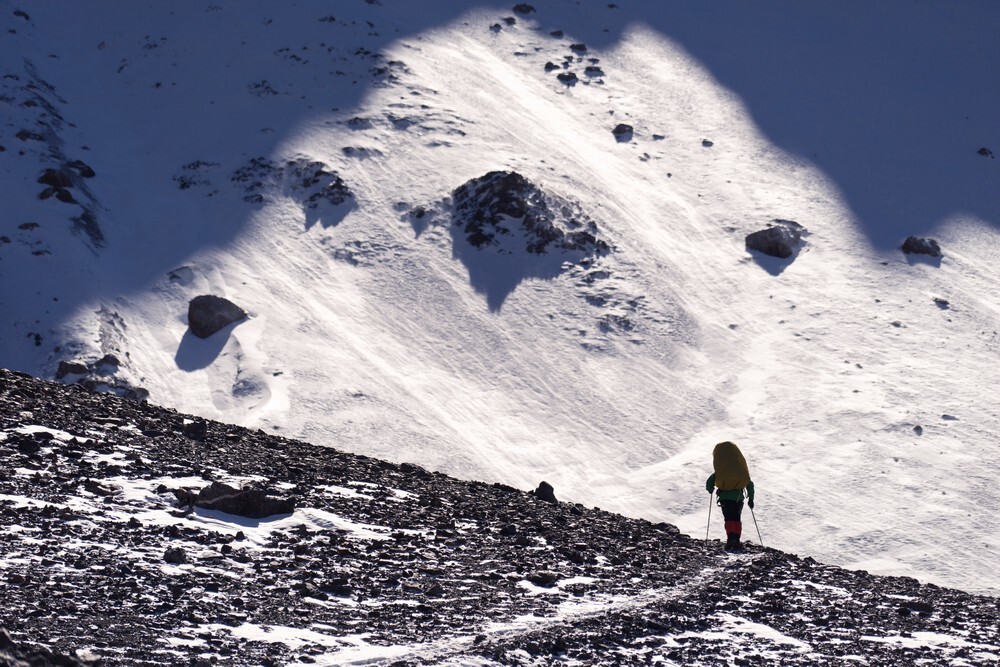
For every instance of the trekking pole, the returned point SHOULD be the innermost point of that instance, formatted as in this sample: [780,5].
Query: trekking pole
[709,526]
[757,527]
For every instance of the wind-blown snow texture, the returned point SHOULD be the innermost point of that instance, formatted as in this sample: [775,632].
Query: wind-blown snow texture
[104,558]
[300,160]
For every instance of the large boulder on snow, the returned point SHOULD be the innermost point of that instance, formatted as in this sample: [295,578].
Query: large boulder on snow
[504,206]
[781,240]
[914,245]
[250,503]
[208,314]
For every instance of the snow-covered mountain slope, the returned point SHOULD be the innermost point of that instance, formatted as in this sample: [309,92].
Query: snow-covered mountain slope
[196,149]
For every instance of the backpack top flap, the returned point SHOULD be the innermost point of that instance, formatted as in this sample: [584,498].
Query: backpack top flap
[731,472]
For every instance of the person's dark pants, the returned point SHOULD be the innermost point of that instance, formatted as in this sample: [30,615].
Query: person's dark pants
[731,511]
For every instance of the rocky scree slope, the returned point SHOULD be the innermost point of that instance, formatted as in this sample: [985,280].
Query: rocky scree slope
[107,555]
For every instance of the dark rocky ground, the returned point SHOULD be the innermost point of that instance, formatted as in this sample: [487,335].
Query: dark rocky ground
[392,564]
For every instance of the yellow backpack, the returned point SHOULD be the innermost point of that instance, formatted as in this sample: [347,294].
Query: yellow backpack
[731,472]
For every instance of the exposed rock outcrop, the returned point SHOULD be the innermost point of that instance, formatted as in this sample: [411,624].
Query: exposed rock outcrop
[504,204]
[100,376]
[313,181]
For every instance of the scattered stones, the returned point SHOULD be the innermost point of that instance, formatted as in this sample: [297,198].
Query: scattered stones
[523,8]
[314,181]
[208,314]
[194,174]
[986,152]
[707,143]
[569,78]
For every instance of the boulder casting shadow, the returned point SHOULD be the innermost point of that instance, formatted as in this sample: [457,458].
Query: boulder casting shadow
[777,246]
[248,503]
[920,250]
[505,229]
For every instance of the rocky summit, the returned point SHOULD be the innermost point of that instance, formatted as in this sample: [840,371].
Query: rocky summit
[110,558]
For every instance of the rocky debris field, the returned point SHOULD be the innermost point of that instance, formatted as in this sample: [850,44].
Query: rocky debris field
[116,549]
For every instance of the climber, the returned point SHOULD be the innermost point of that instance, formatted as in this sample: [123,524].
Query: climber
[732,479]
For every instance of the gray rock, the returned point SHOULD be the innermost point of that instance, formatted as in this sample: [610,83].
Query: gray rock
[545,492]
[55,178]
[622,132]
[251,503]
[914,245]
[196,430]
[208,314]
[435,590]
[71,368]
[543,578]
[175,556]
[778,241]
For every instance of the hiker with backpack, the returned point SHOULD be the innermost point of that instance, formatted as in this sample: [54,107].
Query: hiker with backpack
[732,479]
